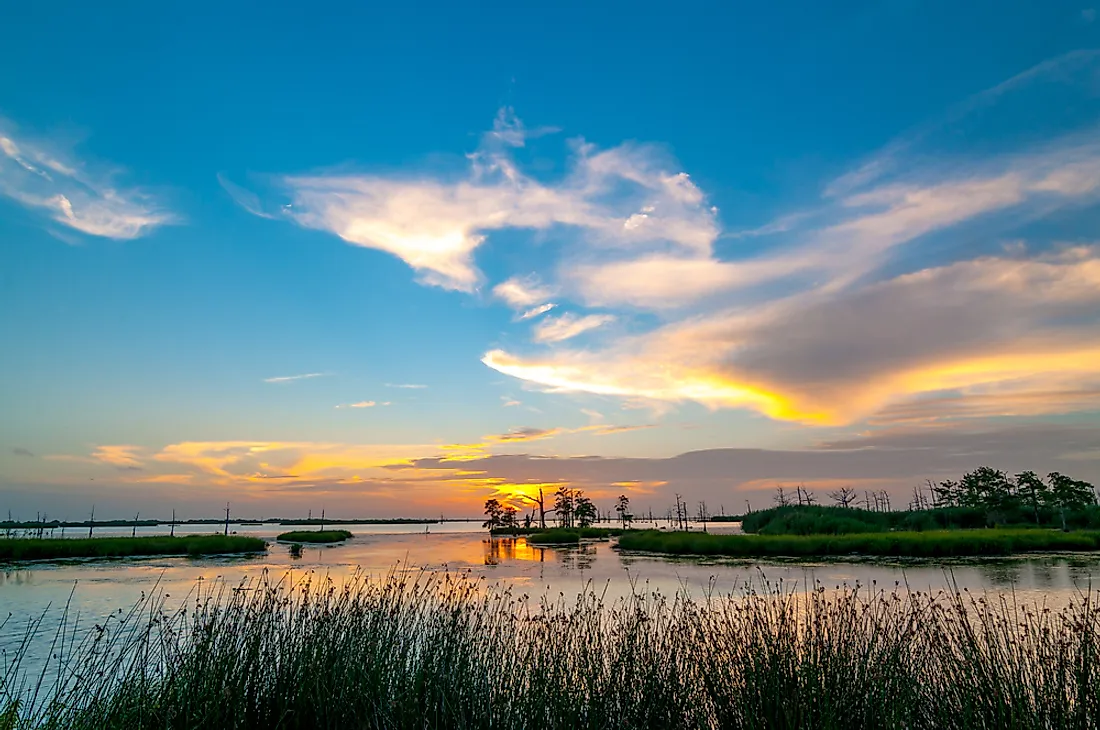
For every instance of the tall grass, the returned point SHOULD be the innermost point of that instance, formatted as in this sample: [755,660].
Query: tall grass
[115,547]
[444,652]
[938,544]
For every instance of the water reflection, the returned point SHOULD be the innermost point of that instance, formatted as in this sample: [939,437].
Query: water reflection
[500,549]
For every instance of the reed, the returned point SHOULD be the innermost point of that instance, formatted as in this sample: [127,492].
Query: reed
[441,651]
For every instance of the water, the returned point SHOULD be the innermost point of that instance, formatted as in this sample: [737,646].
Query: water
[95,588]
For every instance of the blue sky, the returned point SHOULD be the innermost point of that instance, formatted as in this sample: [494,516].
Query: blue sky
[837,243]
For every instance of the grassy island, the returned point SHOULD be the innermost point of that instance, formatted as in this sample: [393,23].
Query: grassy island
[587,533]
[932,544]
[316,537]
[16,549]
[556,536]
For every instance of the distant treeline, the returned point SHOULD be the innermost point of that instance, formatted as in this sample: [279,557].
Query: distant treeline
[333,521]
[54,524]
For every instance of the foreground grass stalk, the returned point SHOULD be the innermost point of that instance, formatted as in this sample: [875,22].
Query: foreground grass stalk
[443,651]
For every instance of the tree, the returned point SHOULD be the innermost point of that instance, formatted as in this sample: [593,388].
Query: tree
[781,497]
[843,496]
[583,510]
[541,504]
[703,515]
[563,506]
[946,493]
[508,517]
[988,489]
[495,512]
[1069,494]
[1032,491]
[623,508]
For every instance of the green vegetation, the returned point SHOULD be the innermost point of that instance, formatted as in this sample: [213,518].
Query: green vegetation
[315,536]
[588,533]
[444,652]
[118,547]
[939,544]
[556,536]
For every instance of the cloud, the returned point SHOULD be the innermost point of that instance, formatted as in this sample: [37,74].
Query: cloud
[524,434]
[409,386]
[567,326]
[71,194]
[509,402]
[628,197]
[894,294]
[522,292]
[243,197]
[1019,325]
[292,378]
[889,293]
[536,311]
[895,461]
[20,451]
[537,434]
[121,456]
[361,404]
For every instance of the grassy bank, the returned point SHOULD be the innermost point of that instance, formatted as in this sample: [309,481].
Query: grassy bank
[944,543]
[446,653]
[315,536]
[822,520]
[119,547]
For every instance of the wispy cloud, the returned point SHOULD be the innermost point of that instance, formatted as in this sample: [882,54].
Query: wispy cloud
[361,404]
[536,311]
[435,224]
[531,433]
[20,451]
[568,326]
[509,402]
[122,456]
[72,194]
[292,378]
[522,292]
[528,433]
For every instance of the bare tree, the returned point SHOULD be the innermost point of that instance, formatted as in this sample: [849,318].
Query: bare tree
[781,497]
[703,515]
[843,496]
[541,504]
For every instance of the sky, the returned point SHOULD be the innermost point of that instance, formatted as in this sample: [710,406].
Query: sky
[395,259]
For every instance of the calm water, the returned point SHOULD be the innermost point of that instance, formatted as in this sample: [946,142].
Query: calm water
[100,587]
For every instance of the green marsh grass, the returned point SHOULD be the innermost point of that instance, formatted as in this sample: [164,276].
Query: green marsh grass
[16,549]
[315,536]
[442,651]
[585,532]
[933,544]
[556,536]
